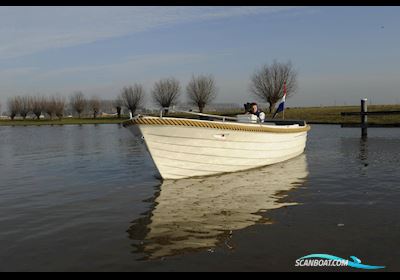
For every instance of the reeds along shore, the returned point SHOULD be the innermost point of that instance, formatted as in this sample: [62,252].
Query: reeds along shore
[323,115]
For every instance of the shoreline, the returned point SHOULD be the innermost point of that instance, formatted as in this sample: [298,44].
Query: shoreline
[312,115]
[74,121]
[120,121]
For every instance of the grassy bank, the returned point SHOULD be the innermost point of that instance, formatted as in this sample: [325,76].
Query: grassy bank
[323,115]
[331,115]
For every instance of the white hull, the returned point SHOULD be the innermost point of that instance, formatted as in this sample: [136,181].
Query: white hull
[185,151]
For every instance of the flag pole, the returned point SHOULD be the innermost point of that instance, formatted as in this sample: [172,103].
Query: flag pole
[284,94]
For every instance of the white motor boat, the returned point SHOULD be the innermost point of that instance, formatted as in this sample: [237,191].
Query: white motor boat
[184,147]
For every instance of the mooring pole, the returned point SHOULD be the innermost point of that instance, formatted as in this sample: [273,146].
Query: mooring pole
[364,118]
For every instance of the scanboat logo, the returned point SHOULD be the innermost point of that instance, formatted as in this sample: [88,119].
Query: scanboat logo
[315,260]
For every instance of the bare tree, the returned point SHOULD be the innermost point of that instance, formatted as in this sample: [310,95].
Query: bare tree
[54,106]
[201,91]
[94,105]
[267,82]
[118,103]
[49,106]
[26,106]
[132,97]
[37,105]
[59,105]
[166,93]
[1,113]
[14,107]
[78,102]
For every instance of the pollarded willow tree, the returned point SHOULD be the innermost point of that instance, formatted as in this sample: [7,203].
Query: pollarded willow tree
[78,102]
[94,106]
[14,106]
[26,106]
[267,82]
[118,103]
[59,106]
[49,107]
[201,91]
[166,93]
[132,97]
[38,105]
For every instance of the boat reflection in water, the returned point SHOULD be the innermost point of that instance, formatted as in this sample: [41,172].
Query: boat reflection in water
[201,213]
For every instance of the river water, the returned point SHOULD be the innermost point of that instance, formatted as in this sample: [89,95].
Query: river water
[88,198]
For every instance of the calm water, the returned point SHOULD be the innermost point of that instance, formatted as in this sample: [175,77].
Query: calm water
[87,198]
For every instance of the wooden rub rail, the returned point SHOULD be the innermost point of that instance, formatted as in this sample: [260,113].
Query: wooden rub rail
[215,125]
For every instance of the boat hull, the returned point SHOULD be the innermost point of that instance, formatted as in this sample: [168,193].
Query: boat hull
[189,151]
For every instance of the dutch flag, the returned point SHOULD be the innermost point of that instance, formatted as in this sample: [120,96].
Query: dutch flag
[281,106]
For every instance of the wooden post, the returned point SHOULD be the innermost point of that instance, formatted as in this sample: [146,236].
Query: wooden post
[364,118]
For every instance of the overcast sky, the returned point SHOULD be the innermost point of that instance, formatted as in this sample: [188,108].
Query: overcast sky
[341,53]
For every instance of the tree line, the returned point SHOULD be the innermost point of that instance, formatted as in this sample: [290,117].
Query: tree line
[266,84]
[201,91]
